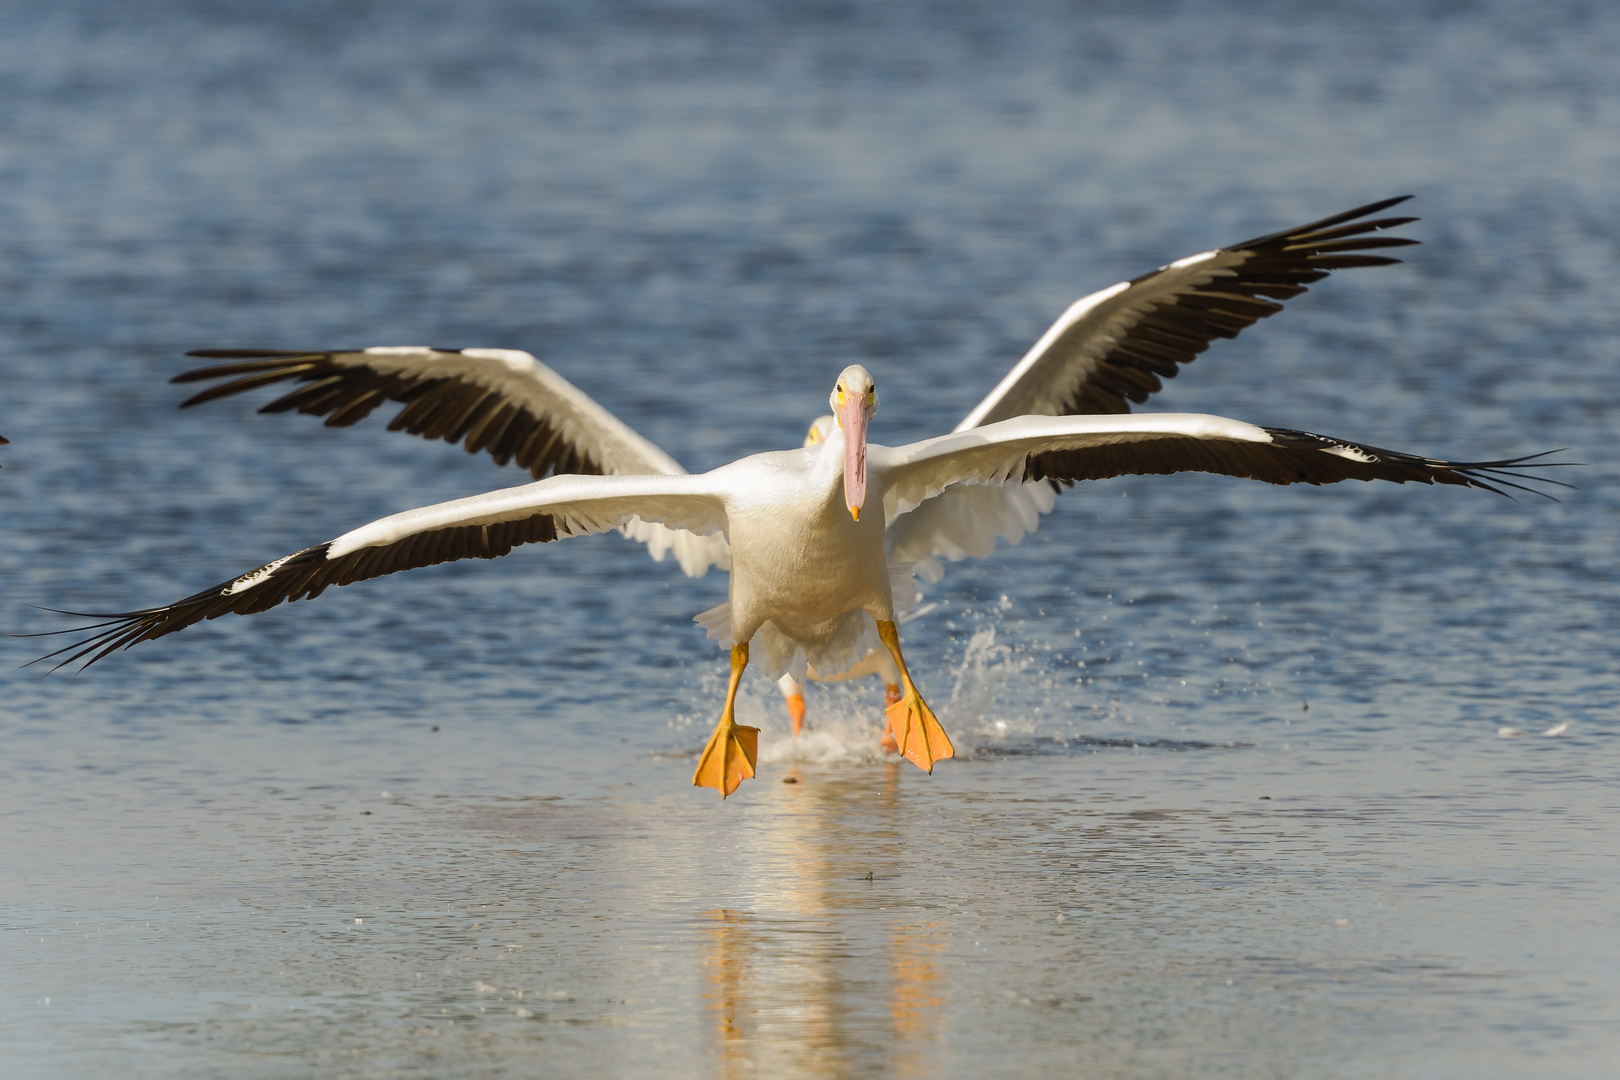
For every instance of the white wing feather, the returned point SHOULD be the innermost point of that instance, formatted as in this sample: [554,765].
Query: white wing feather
[580,505]
[996,453]
[521,379]
[966,521]
[1114,346]
[519,382]
[1071,350]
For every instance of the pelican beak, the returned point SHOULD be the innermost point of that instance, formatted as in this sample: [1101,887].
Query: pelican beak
[851,411]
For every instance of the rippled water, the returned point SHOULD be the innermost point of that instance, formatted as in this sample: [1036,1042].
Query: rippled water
[1236,798]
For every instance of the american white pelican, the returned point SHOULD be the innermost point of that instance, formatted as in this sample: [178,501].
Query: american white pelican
[1107,350]
[876,662]
[810,577]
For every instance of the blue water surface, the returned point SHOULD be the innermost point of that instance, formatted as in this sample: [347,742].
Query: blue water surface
[1255,782]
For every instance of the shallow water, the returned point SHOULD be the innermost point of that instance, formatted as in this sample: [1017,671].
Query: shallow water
[1235,797]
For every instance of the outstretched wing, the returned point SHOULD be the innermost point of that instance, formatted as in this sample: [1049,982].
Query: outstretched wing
[481,527]
[1066,449]
[1114,346]
[500,401]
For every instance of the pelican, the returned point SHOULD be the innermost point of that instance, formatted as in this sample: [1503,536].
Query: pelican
[876,662]
[811,582]
[1107,350]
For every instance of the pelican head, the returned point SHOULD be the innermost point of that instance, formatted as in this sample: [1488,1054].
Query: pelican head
[854,403]
[820,428]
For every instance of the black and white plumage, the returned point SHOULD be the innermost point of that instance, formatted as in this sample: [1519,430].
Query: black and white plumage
[811,579]
[1113,347]
[1108,349]
[768,498]
[501,401]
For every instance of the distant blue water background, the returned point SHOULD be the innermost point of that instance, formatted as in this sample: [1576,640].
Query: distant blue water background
[1254,781]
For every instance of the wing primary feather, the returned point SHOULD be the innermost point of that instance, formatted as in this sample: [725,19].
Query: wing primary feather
[1355,243]
[357,407]
[342,401]
[302,397]
[1351,262]
[1291,457]
[303,575]
[421,406]
[249,382]
[225,371]
[268,355]
[1141,357]
[451,407]
[1359,228]
[512,436]
[490,430]
[1329,222]
[474,419]
[1079,364]
[456,403]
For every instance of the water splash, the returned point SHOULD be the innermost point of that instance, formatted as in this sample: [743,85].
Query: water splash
[985,667]
[826,745]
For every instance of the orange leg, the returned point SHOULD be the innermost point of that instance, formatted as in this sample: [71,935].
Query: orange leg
[729,757]
[891,695]
[795,704]
[916,732]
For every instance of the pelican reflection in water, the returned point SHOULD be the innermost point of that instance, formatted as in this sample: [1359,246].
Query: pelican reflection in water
[797,994]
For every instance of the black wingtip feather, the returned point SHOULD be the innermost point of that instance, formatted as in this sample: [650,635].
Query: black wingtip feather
[1290,457]
[303,575]
[1350,262]
[448,404]
[1177,319]
[1327,222]
[1360,228]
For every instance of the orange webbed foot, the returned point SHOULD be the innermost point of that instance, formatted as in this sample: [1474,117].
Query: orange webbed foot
[728,759]
[916,732]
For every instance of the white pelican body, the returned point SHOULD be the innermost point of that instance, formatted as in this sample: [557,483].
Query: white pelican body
[809,568]
[810,534]
[800,561]
[1105,351]
[876,660]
